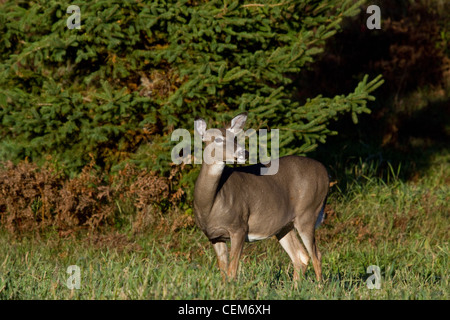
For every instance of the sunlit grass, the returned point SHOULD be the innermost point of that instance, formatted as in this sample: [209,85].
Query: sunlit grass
[401,227]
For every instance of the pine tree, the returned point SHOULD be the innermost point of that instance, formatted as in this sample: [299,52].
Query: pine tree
[136,70]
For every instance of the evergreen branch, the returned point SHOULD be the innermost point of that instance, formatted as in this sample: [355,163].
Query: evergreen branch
[195,65]
[263,5]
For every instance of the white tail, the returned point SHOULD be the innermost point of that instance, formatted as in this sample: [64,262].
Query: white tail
[240,204]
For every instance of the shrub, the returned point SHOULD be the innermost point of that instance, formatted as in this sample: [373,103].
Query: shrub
[33,198]
[136,70]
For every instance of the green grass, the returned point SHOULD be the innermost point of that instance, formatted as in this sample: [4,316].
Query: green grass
[401,227]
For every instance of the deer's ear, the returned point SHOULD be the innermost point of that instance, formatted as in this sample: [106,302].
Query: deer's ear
[238,122]
[200,127]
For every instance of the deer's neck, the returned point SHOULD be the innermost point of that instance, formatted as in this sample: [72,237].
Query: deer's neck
[206,187]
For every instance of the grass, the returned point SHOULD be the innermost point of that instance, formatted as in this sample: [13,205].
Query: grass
[401,227]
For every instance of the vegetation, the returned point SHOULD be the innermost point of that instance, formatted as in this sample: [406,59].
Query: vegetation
[33,199]
[400,227]
[115,89]
[85,123]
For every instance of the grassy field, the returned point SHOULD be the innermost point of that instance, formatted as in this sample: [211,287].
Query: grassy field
[401,227]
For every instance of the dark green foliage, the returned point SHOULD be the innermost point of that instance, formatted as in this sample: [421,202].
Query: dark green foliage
[115,89]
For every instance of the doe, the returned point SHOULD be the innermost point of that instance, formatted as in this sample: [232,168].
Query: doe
[240,204]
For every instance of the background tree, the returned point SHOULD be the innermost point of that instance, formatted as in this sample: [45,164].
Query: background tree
[115,89]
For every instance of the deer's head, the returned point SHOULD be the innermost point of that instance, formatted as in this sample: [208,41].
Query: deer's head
[222,143]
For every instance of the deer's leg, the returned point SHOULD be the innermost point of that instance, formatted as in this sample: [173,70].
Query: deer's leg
[309,241]
[220,247]
[237,244]
[292,245]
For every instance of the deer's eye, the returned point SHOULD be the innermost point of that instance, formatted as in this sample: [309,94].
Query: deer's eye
[218,139]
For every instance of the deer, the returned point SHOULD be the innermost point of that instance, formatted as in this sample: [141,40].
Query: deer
[240,204]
